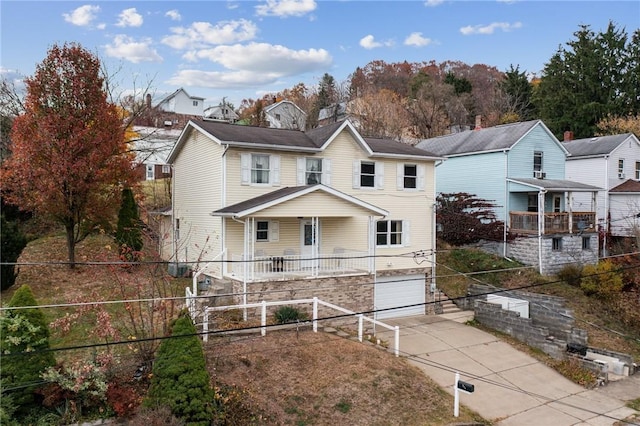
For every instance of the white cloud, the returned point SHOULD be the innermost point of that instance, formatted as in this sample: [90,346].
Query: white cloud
[267,58]
[201,34]
[369,42]
[416,39]
[82,16]
[491,28]
[129,18]
[174,15]
[125,47]
[284,8]
[433,3]
[222,80]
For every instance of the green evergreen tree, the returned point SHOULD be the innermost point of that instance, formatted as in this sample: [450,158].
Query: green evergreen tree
[24,343]
[518,92]
[12,242]
[588,80]
[180,378]
[128,232]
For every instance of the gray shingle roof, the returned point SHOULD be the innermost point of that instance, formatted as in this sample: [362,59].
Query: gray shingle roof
[483,140]
[556,184]
[596,146]
[259,200]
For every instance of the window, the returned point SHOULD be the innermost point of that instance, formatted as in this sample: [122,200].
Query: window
[621,165]
[556,244]
[262,230]
[586,243]
[537,161]
[313,171]
[389,233]
[166,169]
[410,176]
[259,168]
[195,103]
[278,117]
[532,203]
[150,171]
[637,170]
[367,174]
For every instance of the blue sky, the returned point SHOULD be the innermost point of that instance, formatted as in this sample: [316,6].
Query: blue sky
[244,49]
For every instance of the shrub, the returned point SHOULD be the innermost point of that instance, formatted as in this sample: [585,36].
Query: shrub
[287,314]
[601,280]
[24,340]
[12,241]
[128,233]
[180,378]
[571,274]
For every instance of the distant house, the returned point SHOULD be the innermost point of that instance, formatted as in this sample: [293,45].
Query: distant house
[521,168]
[285,115]
[332,113]
[152,149]
[223,113]
[180,102]
[324,213]
[611,162]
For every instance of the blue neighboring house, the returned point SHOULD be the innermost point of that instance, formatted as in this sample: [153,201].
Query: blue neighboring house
[521,168]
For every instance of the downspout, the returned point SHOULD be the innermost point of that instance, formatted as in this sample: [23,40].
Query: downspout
[606,206]
[223,203]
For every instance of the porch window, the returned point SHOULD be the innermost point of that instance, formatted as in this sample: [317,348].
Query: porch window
[556,244]
[313,173]
[262,230]
[532,203]
[537,161]
[259,168]
[586,243]
[390,233]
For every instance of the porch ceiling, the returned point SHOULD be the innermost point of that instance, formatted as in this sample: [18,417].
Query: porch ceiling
[551,185]
[302,201]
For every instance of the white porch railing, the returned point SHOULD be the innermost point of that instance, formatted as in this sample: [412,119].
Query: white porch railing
[315,302]
[291,266]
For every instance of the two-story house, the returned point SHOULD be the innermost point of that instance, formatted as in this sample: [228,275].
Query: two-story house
[521,168]
[324,213]
[180,102]
[613,163]
[285,115]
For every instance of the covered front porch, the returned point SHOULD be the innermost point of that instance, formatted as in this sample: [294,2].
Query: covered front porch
[300,232]
[543,207]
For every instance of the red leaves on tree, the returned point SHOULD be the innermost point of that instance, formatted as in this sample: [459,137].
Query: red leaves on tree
[69,155]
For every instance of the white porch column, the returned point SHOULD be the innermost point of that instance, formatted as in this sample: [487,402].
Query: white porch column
[570,209]
[541,194]
[372,245]
[315,247]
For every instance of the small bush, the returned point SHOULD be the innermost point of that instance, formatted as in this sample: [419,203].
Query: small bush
[160,416]
[601,280]
[288,314]
[180,378]
[571,274]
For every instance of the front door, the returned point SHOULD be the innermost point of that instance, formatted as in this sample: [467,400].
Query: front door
[308,236]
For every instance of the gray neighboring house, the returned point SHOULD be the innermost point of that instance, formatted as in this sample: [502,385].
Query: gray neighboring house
[612,162]
[521,168]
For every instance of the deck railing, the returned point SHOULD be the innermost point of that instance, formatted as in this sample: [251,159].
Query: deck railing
[554,223]
[290,266]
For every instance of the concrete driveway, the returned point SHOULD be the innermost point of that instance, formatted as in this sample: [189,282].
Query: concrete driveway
[511,388]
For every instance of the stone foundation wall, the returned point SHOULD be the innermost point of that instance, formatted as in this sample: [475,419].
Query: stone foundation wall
[525,250]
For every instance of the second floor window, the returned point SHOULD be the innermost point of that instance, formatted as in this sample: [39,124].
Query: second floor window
[637,170]
[313,172]
[260,169]
[410,176]
[621,165]
[537,161]
[367,174]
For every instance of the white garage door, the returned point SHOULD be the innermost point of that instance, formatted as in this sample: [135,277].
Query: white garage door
[397,291]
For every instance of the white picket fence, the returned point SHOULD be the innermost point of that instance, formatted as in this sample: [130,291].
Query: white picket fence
[315,303]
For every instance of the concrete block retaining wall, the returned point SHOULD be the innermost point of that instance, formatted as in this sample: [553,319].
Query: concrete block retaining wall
[525,250]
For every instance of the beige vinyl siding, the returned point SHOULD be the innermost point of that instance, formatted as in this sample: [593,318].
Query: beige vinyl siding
[197,186]
[318,204]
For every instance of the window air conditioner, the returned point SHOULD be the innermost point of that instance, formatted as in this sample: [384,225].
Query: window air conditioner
[620,175]
[539,174]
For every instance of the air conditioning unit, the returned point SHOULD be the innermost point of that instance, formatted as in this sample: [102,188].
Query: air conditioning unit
[620,175]
[538,174]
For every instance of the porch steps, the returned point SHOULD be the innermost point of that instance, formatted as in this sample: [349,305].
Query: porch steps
[446,308]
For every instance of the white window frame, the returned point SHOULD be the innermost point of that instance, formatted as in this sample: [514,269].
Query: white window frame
[166,169]
[262,232]
[378,176]
[402,176]
[538,166]
[620,165]
[150,171]
[403,234]
[247,169]
[269,234]
[303,170]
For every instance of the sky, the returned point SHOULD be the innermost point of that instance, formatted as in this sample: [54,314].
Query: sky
[244,49]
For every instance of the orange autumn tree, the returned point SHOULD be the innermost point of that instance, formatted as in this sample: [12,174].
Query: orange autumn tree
[69,155]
